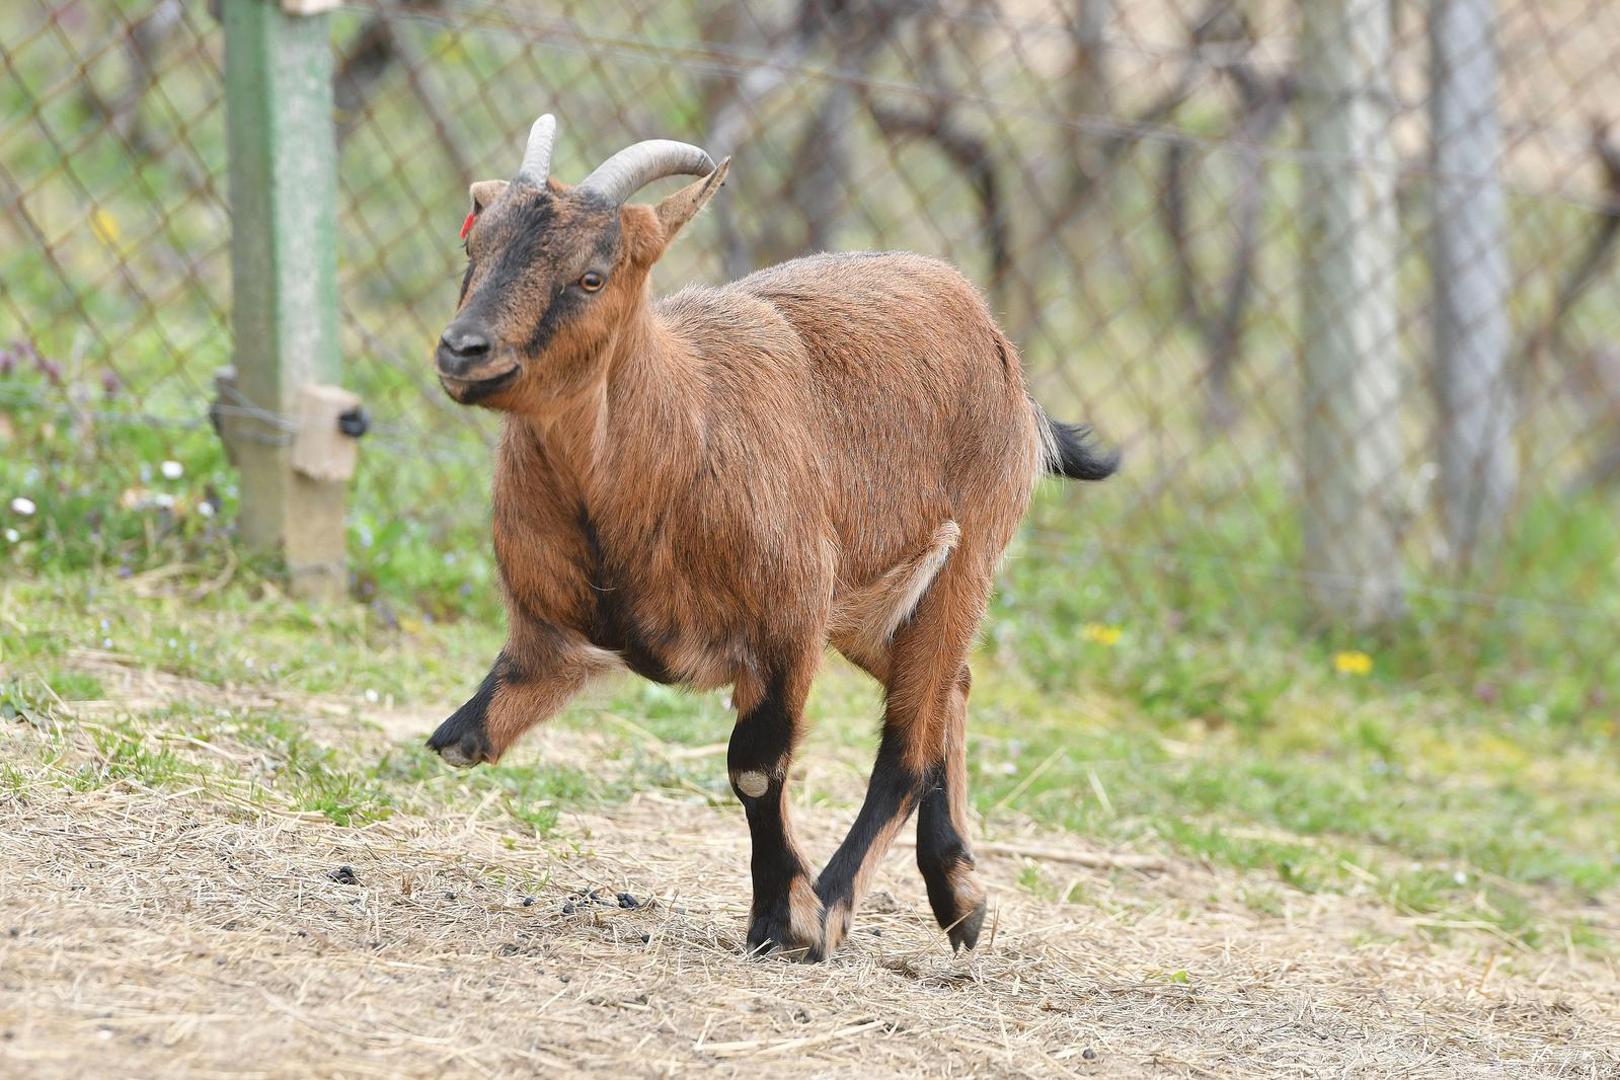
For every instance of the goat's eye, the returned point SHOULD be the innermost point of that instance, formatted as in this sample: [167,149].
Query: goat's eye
[592,281]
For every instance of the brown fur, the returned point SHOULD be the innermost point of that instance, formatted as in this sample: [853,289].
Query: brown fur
[835,449]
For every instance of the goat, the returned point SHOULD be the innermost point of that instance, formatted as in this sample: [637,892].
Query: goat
[711,488]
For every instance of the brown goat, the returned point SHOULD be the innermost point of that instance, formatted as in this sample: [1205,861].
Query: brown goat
[710,488]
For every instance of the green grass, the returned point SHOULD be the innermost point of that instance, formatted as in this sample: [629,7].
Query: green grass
[1439,814]
[1251,754]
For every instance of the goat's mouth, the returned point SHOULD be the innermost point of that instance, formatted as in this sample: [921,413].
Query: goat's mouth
[472,391]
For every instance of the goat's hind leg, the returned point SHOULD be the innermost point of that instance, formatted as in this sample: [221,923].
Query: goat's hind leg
[943,854]
[922,688]
[785,913]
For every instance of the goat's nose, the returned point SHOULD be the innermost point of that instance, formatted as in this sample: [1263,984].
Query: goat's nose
[461,347]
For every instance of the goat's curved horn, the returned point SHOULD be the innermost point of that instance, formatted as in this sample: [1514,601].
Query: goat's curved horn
[537,155]
[634,167]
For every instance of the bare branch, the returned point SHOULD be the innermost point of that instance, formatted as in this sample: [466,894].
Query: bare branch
[971,154]
[1262,103]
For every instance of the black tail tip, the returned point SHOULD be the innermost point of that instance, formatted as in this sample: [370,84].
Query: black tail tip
[1078,458]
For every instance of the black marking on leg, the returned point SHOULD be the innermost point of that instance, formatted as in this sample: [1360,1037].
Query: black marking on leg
[760,743]
[890,794]
[763,734]
[463,739]
[939,846]
[944,859]
[774,868]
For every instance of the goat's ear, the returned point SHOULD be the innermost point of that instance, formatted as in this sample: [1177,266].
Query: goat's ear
[676,210]
[485,192]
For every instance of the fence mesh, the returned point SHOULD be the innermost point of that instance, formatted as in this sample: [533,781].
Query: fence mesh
[1177,209]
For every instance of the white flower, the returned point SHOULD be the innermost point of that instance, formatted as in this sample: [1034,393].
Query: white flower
[371,696]
[12,536]
[23,506]
[172,470]
[205,508]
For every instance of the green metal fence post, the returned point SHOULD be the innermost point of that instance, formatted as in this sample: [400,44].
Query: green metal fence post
[283,198]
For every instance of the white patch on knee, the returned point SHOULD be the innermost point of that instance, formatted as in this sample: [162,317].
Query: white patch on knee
[753,783]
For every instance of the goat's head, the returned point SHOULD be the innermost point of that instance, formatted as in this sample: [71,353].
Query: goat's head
[553,271]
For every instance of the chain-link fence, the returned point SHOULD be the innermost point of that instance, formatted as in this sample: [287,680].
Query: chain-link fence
[1336,276]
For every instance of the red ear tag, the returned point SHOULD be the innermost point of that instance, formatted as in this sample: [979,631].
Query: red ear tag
[466,226]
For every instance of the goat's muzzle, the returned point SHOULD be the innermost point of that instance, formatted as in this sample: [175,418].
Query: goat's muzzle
[467,364]
[462,351]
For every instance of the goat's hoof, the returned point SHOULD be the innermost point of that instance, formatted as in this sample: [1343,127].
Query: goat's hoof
[964,932]
[768,934]
[460,744]
[790,924]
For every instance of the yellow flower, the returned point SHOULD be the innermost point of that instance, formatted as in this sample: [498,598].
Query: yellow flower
[451,49]
[1352,662]
[1101,633]
[105,226]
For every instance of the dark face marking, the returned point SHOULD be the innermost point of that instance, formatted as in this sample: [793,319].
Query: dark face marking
[528,251]
[564,306]
[525,256]
[473,393]
[513,246]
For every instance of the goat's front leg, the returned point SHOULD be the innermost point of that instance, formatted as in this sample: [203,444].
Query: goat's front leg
[536,674]
[785,913]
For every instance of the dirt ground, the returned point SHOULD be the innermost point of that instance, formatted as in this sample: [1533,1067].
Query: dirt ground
[185,933]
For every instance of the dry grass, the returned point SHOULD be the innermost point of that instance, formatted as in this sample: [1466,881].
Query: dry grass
[198,932]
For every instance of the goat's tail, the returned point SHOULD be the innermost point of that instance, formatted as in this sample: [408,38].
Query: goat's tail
[1070,450]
